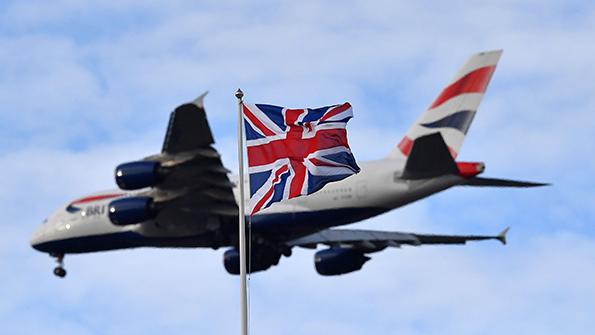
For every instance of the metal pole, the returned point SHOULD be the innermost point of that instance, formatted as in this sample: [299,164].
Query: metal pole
[241,219]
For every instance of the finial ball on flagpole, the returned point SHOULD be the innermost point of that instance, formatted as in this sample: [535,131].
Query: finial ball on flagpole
[239,94]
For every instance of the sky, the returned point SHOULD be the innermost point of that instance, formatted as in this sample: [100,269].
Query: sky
[86,85]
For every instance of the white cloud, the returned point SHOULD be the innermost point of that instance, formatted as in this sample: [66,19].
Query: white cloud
[444,290]
[87,86]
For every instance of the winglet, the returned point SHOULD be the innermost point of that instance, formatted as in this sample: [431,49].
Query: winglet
[502,236]
[199,102]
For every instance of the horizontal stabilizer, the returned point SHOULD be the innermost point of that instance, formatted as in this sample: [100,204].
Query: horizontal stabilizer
[429,157]
[494,182]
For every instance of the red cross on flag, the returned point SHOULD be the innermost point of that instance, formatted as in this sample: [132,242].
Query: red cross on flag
[295,152]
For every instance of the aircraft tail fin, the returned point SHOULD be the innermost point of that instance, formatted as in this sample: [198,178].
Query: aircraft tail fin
[453,110]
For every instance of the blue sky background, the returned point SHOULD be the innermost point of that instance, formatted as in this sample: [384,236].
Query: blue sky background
[85,85]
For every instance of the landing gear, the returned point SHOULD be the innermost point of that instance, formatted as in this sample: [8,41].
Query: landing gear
[59,270]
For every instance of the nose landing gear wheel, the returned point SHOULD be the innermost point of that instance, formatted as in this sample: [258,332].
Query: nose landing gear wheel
[59,272]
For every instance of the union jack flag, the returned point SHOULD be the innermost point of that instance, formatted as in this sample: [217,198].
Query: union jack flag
[295,152]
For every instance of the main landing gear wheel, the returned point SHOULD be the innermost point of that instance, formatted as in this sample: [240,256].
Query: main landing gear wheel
[59,270]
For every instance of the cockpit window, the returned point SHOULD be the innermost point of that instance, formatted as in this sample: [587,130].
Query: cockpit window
[72,209]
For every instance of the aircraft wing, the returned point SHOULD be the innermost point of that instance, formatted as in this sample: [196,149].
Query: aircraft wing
[194,184]
[188,128]
[372,241]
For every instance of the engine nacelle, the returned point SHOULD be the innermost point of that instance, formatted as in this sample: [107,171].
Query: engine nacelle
[338,261]
[131,210]
[260,260]
[137,175]
[231,261]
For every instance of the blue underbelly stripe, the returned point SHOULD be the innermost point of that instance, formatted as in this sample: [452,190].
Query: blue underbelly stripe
[277,224]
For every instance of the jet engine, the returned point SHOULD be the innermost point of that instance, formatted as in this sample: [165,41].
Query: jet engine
[338,261]
[231,261]
[139,174]
[131,210]
[260,260]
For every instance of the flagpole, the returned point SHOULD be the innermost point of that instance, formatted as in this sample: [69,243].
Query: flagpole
[242,220]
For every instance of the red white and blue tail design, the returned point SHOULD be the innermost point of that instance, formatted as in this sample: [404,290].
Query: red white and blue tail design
[295,152]
[453,110]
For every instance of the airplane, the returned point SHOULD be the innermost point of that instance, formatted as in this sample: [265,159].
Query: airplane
[185,198]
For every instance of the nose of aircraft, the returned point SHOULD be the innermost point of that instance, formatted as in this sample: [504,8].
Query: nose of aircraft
[37,238]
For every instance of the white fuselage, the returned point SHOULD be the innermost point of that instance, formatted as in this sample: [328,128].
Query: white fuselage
[378,187]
